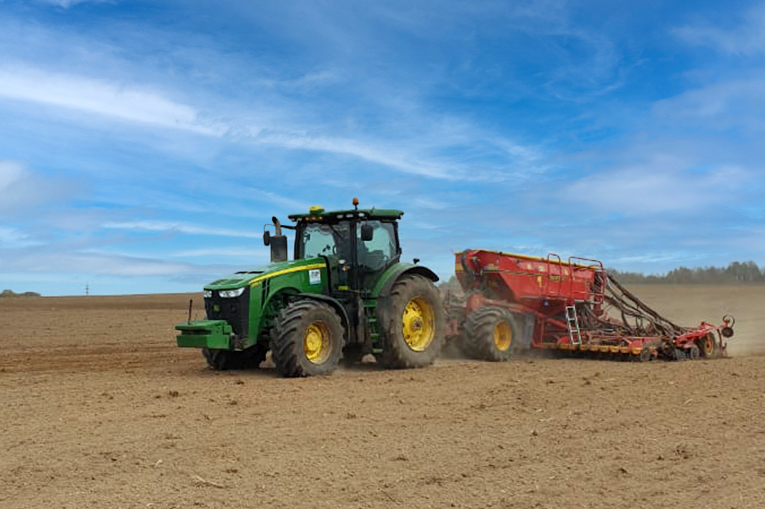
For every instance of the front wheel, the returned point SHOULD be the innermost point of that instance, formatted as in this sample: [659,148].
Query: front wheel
[413,323]
[307,339]
[221,360]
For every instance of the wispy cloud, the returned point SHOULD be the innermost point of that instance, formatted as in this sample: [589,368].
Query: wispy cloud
[654,258]
[378,153]
[732,102]
[745,40]
[70,3]
[259,255]
[12,237]
[662,184]
[177,227]
[10,173]
[134,103]
[99,97]
[38,261]
[22,189]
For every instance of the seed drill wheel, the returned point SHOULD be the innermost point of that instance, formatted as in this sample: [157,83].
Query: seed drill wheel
[489,334]
[645,355]
[413,323]
[307,339]
[708,345]
[221,360]
[694,353]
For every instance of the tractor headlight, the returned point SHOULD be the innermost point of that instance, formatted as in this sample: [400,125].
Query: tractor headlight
[207,294]
[230,294]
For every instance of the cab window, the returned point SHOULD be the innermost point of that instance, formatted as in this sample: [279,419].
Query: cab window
[375,254]
[323,240]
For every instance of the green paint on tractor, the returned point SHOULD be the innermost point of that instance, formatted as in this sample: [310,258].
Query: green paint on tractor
[344,294]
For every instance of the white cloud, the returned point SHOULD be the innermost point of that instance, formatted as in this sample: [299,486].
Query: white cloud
[177,227]
[653,258]
[10,172]
[275,198]
[306,82]
[380,153]
[69,3]
[260,255]
[133,103]
[100,97]
[663,184]
[22,188]
[11,237]
[428,203]
[746,39]
[731,103]
[37,261]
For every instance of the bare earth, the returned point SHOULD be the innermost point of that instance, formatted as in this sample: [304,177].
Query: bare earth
[100,409]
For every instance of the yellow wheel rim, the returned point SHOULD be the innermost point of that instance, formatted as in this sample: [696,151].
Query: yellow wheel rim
[317,343]
[503,337]
[419,324]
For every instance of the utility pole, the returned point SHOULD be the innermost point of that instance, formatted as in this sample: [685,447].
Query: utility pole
[87,289]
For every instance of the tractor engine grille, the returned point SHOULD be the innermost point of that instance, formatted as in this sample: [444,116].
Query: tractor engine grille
[236,310]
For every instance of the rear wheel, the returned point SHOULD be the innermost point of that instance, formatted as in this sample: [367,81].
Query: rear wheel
[307,339]
[413,324]
[490,333]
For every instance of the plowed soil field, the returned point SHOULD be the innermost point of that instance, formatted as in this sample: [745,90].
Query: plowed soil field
[100,409]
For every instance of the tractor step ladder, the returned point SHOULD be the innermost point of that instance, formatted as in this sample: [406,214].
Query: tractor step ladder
[572,323]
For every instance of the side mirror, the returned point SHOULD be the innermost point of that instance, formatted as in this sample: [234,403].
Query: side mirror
[266,238]
[367,232]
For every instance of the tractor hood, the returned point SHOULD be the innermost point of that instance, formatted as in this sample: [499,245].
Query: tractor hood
[250,277]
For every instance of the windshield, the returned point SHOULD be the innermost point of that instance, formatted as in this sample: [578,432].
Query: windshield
[323,240]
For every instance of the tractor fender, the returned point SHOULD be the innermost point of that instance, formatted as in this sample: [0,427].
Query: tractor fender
[336,305]
[394,272]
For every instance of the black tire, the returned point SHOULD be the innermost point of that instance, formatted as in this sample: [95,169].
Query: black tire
[645,355]
[222,360]
[413,324]
[307,339]
[216,359]
[490,334]
[694,353]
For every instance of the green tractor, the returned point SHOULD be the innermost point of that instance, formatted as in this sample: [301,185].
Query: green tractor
[346,294]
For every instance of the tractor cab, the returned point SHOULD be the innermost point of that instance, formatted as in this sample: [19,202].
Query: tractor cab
[356,245]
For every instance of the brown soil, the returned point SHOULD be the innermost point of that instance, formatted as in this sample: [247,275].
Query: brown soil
[100,409]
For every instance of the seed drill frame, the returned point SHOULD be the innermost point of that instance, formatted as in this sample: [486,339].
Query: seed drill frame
[516,301]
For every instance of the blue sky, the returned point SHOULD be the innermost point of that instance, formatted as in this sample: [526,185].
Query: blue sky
[143,145]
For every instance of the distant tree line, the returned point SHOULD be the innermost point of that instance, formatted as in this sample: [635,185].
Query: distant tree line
[11,293]
[736,272]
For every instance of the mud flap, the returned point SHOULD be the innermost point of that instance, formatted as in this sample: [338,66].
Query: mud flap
[526,323]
